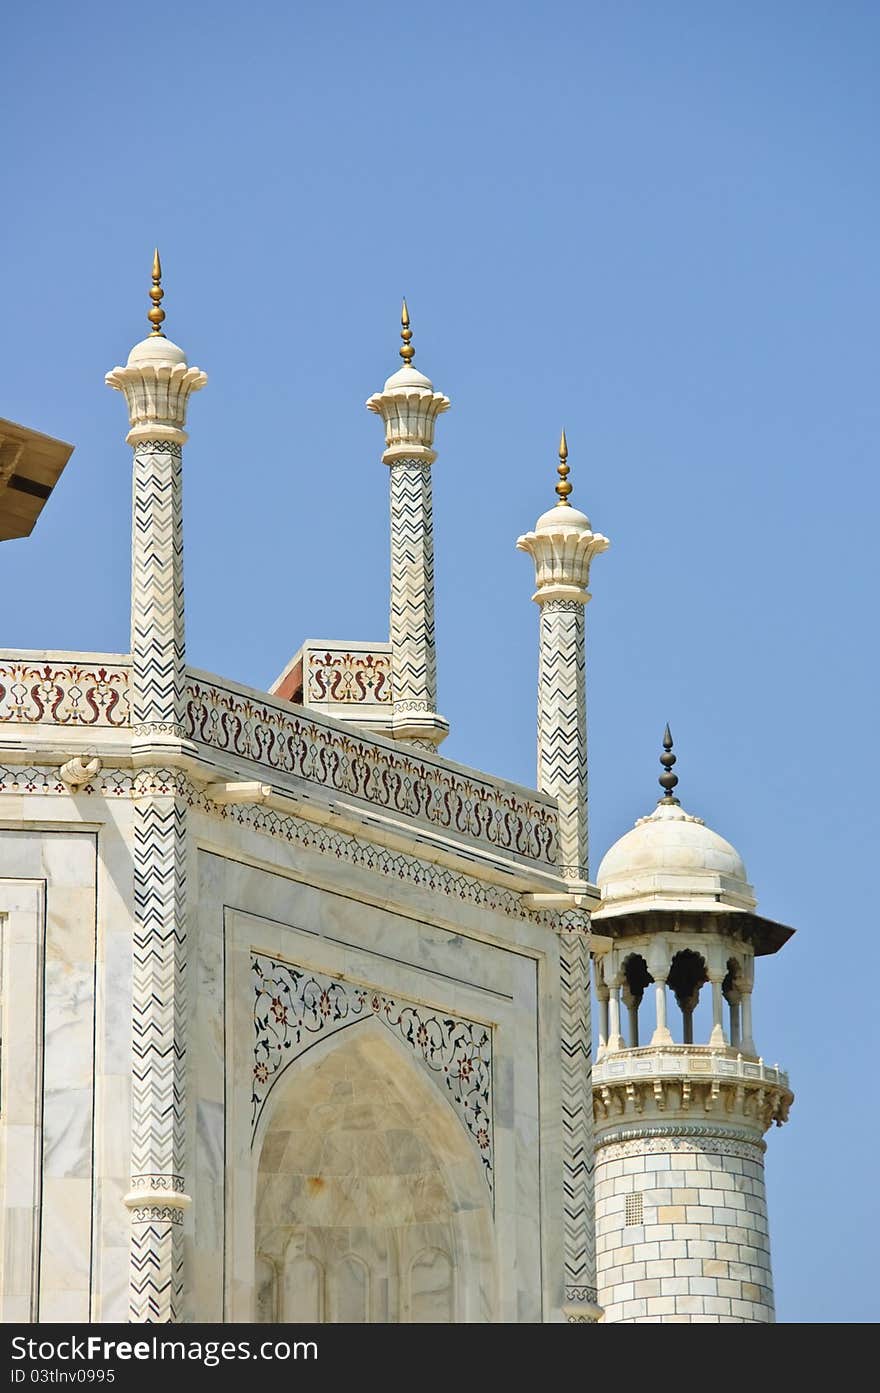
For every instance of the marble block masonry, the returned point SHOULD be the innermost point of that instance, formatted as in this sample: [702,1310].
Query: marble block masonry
[296,1011]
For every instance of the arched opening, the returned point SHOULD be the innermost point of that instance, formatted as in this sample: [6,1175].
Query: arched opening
[636,978]
[370,1201]
[731,989]
[687,975]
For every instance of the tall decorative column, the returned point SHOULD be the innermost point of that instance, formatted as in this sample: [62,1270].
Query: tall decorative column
[562,547]
[409,407]
[157,383]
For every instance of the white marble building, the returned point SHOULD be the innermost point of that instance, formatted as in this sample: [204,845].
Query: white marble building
[296,1011]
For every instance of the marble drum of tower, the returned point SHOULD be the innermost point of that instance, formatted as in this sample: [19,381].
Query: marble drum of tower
[681,1109]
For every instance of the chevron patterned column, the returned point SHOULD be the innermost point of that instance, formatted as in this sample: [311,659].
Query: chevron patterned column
[409,407]
[157,1198]
[562,727]
[413,650]
[157,383]
[562,547]
[157,615]
[577,1115]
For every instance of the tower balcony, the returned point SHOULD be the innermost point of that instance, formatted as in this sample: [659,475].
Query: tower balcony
[673,1081]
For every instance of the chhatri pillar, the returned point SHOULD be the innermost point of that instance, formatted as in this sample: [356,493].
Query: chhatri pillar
[562,547]
[409,407]
[157,383]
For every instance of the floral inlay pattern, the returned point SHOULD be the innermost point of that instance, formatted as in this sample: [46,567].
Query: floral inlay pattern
[63,694]
[398,781]
[350,677]
[293,1006]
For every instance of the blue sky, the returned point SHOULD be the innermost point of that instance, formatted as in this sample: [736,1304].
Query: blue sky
[656,224]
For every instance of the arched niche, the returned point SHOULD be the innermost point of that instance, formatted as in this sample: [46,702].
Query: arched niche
[369,1196]
[431,1288]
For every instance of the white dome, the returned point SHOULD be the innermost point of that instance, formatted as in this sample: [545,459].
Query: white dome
[158,351]
[408,379]
[563,515]
[672,860]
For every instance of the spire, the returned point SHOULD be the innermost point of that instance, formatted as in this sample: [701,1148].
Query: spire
[668,780]
[156,314]
[407,353]
[563,488]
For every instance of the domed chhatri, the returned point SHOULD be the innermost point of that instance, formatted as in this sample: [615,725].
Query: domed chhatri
[672,860]
[690,1100]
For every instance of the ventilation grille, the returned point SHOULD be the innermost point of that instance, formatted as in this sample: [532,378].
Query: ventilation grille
[634,1211]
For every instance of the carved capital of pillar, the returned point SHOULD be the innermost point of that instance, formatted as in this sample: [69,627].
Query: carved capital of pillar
[562,549]
[156,384]
[409,407]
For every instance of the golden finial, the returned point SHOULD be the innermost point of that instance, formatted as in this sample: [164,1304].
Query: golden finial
[156,314]
[563,488]
[407,353]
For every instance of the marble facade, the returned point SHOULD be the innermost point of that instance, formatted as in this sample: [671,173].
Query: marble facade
[324,890]
[296,1012]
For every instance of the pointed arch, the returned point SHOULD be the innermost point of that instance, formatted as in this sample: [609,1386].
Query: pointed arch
[360,1164]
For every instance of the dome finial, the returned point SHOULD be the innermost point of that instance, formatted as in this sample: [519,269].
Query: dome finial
[667,779]
[407,353]
[563,488]
[156,314]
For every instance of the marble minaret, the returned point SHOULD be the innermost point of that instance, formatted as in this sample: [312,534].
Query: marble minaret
[157,383]
[562,547]
[681,1109]
[409,407]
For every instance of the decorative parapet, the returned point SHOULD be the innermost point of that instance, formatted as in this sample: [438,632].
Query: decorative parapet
[347,675]
[445,798]
[452,803]
[294,1006]
[684,1079]
[349,681]
[678,1059]
[65,689]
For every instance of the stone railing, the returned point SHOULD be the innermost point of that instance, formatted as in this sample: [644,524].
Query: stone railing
[66,689]
[673,1061]
[692,1079]
[447,798]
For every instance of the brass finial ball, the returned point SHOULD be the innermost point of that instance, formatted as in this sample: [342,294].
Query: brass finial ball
[667,780]
[156,315]
[563,488]
[407,353]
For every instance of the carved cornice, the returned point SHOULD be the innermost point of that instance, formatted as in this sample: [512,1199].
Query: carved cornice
[619,1143]
[114,783]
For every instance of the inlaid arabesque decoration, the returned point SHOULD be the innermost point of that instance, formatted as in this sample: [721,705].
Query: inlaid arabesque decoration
[350,678]
[398,781]
[65,694]
[293,1007]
